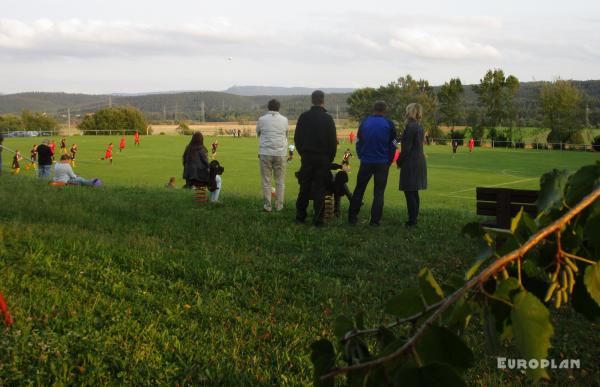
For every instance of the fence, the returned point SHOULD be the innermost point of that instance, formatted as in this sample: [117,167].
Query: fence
[490,143]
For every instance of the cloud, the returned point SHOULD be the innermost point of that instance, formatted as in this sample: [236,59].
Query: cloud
[77,38]
[422,43]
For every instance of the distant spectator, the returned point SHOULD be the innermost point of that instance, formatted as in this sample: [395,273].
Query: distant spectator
[272,131]
[413,169]
[375,147]
[63,145]
[44,160]
[316,142]
[195,162]
[63,173]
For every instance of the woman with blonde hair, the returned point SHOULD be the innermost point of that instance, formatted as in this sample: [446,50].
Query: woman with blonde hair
[413,169]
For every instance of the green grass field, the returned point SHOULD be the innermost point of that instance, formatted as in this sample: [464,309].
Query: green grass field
[132,283]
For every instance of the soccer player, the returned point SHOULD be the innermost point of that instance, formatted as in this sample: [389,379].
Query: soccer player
[346,158]
[291,150]
[108,153]
[122,144]
[454,147]
[33,157]
[213,153]
[15,164]
[73,151]
[351,137]
[63,145]
[136,138]
[52,149]
[471,144]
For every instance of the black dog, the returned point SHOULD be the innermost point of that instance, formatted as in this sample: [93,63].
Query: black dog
[336,186]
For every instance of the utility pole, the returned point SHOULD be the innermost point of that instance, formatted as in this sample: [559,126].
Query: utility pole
[587,115]
[175,115]
[202,111]
[337,112]
[164,113]
[69,121]
[110,101]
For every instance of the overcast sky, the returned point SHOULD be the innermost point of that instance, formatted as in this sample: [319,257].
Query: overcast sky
[107,46]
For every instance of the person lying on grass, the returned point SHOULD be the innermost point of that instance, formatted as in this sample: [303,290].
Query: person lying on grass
[63,173]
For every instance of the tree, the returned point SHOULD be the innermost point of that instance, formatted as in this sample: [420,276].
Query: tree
[38,121]
[496,94]
[125,119]
[449,98]
[10,122]
[563,110]
[397,95]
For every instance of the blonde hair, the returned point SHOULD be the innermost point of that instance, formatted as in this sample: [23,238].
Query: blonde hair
[414,111]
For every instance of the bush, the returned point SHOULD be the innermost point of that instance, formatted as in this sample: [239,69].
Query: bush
[126,120]
[596,144]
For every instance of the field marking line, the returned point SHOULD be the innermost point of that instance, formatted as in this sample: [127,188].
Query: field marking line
[457,196]
[495,185]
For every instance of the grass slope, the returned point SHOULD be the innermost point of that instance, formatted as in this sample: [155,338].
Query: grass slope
[135,284]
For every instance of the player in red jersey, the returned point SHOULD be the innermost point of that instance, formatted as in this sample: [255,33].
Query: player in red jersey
[108,153]
[122,144]
[136,138]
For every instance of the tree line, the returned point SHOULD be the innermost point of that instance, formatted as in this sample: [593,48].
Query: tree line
[559,105]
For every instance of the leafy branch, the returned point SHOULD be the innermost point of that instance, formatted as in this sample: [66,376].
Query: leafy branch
[510,293]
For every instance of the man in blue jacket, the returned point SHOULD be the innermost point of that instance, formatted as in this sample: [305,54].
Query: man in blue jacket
[375,147]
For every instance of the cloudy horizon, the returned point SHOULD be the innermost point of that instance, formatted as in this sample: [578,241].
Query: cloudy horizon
[134,47]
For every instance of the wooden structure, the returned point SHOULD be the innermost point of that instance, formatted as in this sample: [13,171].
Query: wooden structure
[504,203]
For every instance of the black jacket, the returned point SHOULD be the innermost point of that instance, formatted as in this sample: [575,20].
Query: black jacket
[44,155]
[315,134]
[413,168]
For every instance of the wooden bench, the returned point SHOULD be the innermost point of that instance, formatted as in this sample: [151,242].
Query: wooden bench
[505,203]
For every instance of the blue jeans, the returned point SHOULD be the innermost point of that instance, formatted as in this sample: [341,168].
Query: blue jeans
[380,176]
[45,171]
[80,181]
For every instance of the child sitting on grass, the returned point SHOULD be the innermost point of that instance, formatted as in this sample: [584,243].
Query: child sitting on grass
[214,182]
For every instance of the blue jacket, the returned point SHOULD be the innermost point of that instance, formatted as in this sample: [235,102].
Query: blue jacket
[376,140]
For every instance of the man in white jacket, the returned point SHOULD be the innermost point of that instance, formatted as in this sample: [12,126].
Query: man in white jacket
[272,132]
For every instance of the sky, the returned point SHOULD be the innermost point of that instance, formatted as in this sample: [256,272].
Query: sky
[130,46]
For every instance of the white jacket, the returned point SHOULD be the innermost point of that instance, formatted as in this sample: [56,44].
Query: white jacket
[272,131]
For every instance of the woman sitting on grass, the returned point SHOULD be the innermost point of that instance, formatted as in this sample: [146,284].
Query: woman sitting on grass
[63,173]
[195,162]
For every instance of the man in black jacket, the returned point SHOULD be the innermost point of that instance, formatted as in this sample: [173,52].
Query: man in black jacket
[316,141]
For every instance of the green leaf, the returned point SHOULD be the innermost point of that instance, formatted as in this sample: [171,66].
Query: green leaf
[485,253]
[583,303]
[582,183]
[438,344]
[552,187]
[323,359]
[532,329]
[432,375]
[592,230]
[407,303]
[342,326]
[591,279]
[492,342]
[506,287]
[473,229]
[459,315]
[385,336]
[431,290]
[523,226]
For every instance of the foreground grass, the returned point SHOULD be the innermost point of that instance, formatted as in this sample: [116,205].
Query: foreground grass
[135,284]
[142,286]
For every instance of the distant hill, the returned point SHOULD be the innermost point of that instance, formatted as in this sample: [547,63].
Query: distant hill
[277,91]
[235,105]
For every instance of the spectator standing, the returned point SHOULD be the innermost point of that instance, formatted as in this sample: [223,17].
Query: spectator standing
[316,141]
[375,147]
[44,160]
[413,169]
[272,132]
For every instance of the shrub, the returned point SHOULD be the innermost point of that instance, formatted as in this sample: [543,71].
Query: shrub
[596,144]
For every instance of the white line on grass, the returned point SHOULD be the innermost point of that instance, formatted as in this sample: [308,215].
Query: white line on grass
[495,185]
